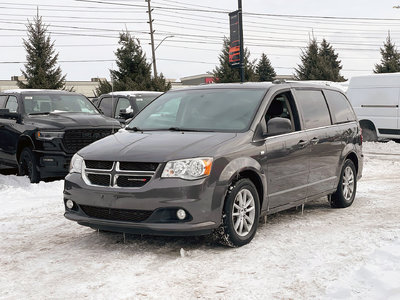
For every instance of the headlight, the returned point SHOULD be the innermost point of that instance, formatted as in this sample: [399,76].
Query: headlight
[49,135]
[193,168]
[76,164]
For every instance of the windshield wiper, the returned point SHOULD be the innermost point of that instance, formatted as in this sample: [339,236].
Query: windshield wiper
[185,129]
[133,128]
[40,113]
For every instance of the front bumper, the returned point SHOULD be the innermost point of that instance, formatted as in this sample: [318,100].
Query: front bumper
[172,229]
[201,200]
[52,163]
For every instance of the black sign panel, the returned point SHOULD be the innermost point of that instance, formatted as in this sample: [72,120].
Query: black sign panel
[234,49]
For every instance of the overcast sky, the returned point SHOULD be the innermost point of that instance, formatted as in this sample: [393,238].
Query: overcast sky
[86,34]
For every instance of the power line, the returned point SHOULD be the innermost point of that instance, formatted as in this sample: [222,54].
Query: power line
[216,10]
[70,10]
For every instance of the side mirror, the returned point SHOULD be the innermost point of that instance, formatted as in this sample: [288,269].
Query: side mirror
[124,114]
[6,114]
[278,125]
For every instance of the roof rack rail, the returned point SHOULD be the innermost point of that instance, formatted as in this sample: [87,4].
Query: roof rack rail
[279,81]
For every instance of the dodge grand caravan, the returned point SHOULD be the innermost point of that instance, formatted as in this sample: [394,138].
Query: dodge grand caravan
[216,158]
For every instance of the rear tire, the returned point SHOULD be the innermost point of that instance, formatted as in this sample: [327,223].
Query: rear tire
[240,215]
[347,186]
[369,135]
[27,165]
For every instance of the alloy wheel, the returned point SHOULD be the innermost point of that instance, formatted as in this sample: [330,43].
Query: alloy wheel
[348,183]
[243,212]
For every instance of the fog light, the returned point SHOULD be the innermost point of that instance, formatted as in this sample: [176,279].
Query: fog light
[181,214]
[69,204]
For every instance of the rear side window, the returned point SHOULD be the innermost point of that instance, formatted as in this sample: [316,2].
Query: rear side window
[340,108]
[3,100]
[106,105]
[314,108]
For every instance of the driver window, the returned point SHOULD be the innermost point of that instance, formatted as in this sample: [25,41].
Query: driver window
[12,104]
[282,106]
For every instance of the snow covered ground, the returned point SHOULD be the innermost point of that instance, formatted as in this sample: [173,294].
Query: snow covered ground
[326,253]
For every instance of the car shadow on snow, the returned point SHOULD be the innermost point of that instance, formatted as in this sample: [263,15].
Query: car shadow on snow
[166,246]
[181,246]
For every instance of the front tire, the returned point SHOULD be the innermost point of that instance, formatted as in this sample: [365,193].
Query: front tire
[27,165]
[346,189]
[241,214]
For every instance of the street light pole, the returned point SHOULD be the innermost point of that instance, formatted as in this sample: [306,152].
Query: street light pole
[153,51]
[163,41]
[241,41]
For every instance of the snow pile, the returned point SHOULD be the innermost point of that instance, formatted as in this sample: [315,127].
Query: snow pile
[390,147]
[378,278]
[350,253]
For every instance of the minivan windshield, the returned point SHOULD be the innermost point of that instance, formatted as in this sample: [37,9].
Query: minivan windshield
[36,104]
[226,110]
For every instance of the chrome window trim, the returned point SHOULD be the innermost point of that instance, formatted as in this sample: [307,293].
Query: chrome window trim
[309,130]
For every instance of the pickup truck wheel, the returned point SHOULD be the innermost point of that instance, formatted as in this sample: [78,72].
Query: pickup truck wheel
[27,165]
[369,135]
[346,189]
[240,216]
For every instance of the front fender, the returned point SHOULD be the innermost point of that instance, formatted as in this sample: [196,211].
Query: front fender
[234,167]
[239,165]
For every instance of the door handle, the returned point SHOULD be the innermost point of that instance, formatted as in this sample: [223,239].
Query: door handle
[314,141]
[302,143]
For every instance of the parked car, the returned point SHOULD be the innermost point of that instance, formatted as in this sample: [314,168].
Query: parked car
[40,130]
[214,158]
[124,105]
[376,101]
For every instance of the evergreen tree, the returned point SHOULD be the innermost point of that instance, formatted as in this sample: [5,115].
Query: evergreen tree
[390,61]
[308,69]
[133,72]
[264,69]
[41,70]
[104,87]
[159,83]
[224,72]
[319,63]
[329,65]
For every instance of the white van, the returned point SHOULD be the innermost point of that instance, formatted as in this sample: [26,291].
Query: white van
[375,99]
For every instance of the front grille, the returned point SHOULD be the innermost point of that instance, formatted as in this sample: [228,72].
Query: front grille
[76,139]
[116,214]
[100,165]
[132,181]
[118,174]
[99,179]
[137,166]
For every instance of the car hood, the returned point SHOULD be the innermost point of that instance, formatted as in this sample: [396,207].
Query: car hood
[154,146]
[66,120]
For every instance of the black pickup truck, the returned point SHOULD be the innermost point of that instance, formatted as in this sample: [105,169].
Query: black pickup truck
[40,130]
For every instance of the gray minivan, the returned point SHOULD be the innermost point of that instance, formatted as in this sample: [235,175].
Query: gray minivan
[213,159]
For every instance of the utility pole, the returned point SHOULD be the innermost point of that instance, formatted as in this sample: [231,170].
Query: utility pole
[241,41]
[153,51]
